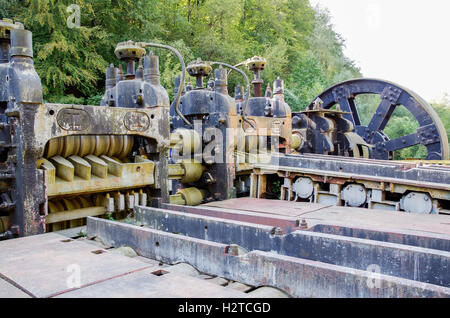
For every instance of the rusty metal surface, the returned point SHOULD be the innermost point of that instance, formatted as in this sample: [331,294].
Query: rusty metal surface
[37,266]
[430,231]
[286,223]
[144,284]
[382,220]
[431,132]
[133,122]
[291,209]
[134,175]
[420,264]
[426,240]
[297,277]
[360,169]
[94,120]
[344,216]
[8,290]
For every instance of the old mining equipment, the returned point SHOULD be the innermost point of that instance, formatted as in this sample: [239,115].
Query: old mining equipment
[322,155]
[253,127]
[246,128]
[334,115]
[62,163]
[331,126]
[205,113]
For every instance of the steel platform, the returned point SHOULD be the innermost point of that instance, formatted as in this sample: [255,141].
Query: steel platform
[238,248]
[44,266]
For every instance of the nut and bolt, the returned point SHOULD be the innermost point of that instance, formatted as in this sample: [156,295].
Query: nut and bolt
[303,224]
[232,250]
[278,231]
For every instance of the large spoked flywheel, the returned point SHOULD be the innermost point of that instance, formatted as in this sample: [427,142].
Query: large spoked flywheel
[431,132]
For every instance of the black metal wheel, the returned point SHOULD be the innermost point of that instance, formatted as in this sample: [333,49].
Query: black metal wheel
[431,132]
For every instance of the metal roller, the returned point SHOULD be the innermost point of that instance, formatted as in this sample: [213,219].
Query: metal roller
[128,142]
[101,145]
[87,145]
[111,146]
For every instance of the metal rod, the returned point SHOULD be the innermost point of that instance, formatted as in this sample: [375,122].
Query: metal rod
[183,75]
[74,214]
[244,116]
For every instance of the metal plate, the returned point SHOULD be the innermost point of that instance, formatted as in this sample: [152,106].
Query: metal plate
[39,264]
[144,284]
[292,209]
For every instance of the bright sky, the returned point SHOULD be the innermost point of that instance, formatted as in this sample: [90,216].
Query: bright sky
[404,41]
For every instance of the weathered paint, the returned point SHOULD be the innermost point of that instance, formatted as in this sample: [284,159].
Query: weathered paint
[296,276]
[425,265]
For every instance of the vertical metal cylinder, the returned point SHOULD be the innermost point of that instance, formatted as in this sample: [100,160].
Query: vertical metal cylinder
[151,69]
[268,92]
[221,82]
[199,82]
[257,83]
[239,93]
[131,66]
[111,74]
[119,74]
[140,71]
[21,43]
[278,87]
[210,84]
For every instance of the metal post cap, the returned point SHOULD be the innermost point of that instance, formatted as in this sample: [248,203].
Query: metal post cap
[129,50]
[21,43]
[256,63]
[199,68]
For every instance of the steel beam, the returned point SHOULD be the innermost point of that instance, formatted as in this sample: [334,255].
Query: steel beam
[356,168]
[407,229]
[420,264]
[284,222]
[297,277]
[430,240]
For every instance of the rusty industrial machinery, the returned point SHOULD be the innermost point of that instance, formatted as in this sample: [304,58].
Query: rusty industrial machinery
[62,163]
[318,130]
[248,127]
[331,126]
[272,153]
[241,188]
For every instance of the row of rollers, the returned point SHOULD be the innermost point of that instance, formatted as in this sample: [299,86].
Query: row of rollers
[118,146]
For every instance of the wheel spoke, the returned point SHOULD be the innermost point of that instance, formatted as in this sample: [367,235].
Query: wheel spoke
[402,142]
[355,113]
[348,105]
[381,116]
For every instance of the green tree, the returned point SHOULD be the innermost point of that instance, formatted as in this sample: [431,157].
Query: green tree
[306,81]
[296,39]
[65,58]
